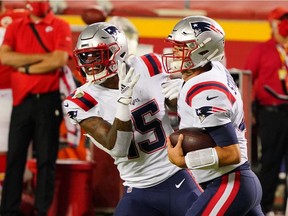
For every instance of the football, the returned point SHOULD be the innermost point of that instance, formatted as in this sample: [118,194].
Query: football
[194,139]
[93,15]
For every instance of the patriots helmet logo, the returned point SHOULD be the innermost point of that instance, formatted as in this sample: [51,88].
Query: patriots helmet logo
[206,111]
[200,27]
[72,114]
[113,31]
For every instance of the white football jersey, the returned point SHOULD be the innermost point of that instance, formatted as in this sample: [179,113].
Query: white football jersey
[147,163]
[212,99]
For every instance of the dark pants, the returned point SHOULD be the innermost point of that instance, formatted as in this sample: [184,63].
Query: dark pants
[36,120]
[273,131]
[165,198]
[237,193]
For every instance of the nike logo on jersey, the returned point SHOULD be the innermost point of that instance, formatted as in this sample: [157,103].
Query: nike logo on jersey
[210,98]
[66,105]
[179,185]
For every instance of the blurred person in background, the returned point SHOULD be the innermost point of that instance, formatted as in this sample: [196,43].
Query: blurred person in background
[37,112]
[268,62]
[72,142]
[6,17]
[126,117]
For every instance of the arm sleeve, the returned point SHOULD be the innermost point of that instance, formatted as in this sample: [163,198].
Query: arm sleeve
[223,135]
[212,112]
[9,37]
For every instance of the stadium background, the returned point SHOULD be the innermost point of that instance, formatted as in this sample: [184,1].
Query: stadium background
[245,24]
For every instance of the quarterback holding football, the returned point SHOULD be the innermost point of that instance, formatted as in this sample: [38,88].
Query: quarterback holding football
[209,99]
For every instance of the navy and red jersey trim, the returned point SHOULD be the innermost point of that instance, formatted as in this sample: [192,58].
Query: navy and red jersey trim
[153,64]
[196,89]
[86,102]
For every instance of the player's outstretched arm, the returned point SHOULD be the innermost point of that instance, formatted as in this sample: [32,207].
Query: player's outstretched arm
[116,137]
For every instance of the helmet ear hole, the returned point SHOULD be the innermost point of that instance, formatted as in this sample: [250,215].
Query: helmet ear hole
[122,55]
[203,52]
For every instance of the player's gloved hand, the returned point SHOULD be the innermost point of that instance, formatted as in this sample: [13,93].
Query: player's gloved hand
[171,88]
[127,82]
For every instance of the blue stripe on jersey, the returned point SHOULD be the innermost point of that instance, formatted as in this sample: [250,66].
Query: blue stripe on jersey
[196,89]
[86,102]
[223,135]
[153,64]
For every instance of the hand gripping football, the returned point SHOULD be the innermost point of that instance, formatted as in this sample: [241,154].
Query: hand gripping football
[194,139]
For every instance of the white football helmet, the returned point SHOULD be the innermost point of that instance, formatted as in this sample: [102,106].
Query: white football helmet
[99,48]
[201,39]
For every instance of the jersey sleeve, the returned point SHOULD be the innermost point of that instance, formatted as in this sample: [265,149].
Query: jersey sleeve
[80,108]
[10,34]
[153,64]
[150,67]
[14,17]
[212,103]
[11,15]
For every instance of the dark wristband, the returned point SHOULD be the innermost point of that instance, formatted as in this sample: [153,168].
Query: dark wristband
[26,69]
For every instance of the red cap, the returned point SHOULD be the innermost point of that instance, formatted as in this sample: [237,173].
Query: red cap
[277,13]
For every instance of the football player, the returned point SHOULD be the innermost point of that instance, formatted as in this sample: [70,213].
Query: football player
[210,99]
[125,115]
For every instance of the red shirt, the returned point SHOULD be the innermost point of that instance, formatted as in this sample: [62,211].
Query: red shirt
[55,34]
[5,19]
[264,62]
